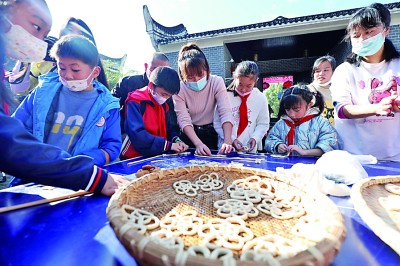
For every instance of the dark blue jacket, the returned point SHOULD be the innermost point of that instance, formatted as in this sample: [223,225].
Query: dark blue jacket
[131,83]
[148,133]
[24,156]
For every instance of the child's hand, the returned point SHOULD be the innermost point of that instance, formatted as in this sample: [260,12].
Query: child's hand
[178,147]
[202,149]
[238,145]
[225,148]
[251,144]
[385,105]
[396,104]
[184,146]
[282,148]
[113,183]
[295,148]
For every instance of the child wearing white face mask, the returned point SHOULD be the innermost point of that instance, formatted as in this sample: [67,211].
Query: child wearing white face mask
[24,76]
[148,127]
[23,46]
[365,88]
[249,109]
[26,25]
[70,109]
[44,164]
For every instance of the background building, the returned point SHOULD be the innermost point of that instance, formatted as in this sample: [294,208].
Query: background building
[281,47]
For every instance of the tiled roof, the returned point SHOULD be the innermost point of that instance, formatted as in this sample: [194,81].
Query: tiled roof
[178,33]
[171,31]
[158,32]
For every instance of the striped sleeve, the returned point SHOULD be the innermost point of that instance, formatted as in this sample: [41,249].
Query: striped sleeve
[167,145]
[97,180]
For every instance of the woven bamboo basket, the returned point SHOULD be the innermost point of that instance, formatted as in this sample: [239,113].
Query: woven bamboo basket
[385,223]
[154,193]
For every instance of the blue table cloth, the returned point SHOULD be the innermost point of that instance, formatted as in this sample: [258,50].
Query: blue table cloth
[77,232]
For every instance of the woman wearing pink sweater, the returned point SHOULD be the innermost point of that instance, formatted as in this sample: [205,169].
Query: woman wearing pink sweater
[199,95]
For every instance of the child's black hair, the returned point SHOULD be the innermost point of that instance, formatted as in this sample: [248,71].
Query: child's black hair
[293,95]
[244,69]
[77,47]
[368,17]
[85,31]
[327,58]
[166,78]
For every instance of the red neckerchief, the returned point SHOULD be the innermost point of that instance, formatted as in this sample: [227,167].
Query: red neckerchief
[154,116]
[154,119]
[6,108]
[243,118]
[290,135]
[5,104]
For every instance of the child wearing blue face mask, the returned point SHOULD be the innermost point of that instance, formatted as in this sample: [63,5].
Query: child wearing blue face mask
[149,129]
[200,94]
[364,88]
[70,109]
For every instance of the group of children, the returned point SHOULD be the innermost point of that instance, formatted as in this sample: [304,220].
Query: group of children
[24,25]
[73,111]
[347,112]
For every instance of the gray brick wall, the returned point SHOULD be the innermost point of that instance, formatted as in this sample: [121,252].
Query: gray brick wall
[214,55]
[394,35]
[173,59]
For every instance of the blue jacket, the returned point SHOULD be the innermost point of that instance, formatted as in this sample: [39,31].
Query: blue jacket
[315,133]
[24,156]
[34,111]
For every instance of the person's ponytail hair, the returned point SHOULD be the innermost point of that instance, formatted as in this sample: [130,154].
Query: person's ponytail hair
[191,59]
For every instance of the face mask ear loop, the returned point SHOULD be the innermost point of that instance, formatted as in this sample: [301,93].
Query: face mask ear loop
[314,99]
[9,21]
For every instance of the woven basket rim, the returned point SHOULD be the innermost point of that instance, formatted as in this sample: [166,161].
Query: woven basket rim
[327,247]
[385,232]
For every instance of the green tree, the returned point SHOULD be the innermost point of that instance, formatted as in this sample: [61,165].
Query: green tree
[115,72]
[272,96]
